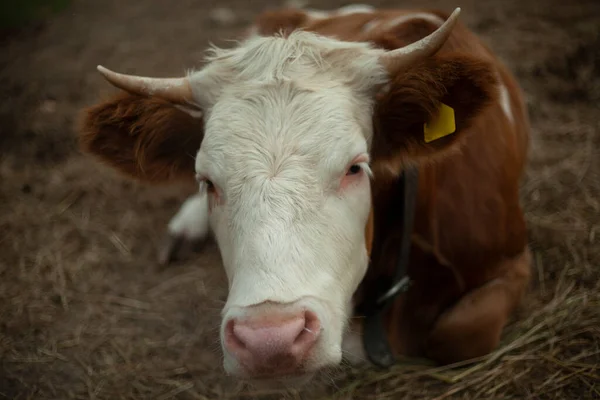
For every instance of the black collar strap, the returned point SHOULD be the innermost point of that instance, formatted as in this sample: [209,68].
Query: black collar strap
[374,334]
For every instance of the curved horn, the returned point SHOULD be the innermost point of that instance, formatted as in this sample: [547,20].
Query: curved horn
[176,90]
[400,59]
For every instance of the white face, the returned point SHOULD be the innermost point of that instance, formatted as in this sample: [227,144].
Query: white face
[286,166]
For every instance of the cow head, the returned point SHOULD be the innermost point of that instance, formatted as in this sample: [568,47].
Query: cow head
[281,133]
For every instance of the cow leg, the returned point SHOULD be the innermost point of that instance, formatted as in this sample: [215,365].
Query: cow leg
[188,228]
[472,327]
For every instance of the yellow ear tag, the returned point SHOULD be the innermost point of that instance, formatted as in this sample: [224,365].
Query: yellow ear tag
[442,125]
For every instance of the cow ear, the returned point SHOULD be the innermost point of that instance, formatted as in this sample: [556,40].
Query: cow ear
[145,138]
[426,110]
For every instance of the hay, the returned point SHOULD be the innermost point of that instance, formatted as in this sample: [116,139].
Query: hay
[555,353]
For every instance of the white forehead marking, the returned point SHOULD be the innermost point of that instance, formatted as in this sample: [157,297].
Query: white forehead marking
[312,90]
[303,57]
[272,134]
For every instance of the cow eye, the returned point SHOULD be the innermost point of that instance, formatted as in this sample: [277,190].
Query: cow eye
[210,187]
[353,170]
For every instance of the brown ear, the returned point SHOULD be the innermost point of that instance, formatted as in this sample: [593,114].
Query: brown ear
[464,83]
[145,138]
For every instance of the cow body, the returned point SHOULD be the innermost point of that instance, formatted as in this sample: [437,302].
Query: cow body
[470,241]
[469,258]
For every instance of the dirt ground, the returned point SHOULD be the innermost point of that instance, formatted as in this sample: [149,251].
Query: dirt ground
[86,314]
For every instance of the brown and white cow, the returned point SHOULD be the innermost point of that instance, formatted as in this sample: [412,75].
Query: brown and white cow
[299,134]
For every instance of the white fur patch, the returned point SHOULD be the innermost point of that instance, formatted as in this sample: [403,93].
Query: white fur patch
[504,99]
[191,221]
[284,120]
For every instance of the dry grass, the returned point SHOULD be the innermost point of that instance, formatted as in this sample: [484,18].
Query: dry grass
[85,313]
[555,353]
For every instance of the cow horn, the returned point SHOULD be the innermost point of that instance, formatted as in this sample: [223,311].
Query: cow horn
[176,90]
[397,60]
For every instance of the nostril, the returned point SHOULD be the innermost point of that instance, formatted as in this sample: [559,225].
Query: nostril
[312,322]
[266,333]
[309,333]
[231,339]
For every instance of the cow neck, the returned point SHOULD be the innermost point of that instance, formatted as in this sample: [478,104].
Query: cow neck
[375,340]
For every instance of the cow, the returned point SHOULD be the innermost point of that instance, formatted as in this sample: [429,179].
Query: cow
[298,137]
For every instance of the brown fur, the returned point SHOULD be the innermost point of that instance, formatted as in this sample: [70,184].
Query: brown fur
[460,81]
[469,258]
[145,138]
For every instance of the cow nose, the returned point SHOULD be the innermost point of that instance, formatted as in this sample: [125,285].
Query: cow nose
[273,344]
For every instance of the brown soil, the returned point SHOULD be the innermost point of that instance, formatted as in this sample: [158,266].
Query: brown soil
[86,313]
